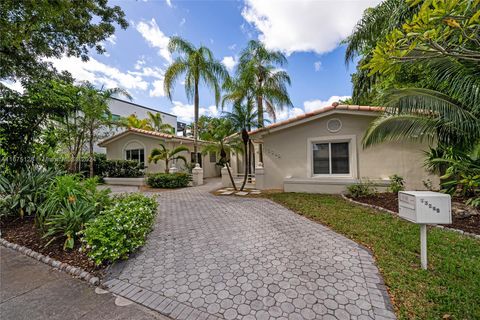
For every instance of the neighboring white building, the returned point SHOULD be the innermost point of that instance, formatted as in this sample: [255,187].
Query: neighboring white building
[121,108]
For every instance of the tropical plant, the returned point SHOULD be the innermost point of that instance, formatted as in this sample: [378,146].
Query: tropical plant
[397,183]
[132,121]
[224,141]
[198,65]
[23,192]
[169,180]
[244,117]
[123,169]
[364,188]
[167,155]
[97,115]
[120,229]
[70,203]
[156,122]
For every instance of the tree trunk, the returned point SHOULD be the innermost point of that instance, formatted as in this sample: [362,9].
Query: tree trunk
[90,145]
[245,145]
[251,162]
[167,167]
[231,177]
[260,125]
[195,125]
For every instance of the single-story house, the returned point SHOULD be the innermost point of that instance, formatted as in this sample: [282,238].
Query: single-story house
[137,144]
[322,152]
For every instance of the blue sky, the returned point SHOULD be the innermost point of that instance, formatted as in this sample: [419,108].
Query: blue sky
[309,32]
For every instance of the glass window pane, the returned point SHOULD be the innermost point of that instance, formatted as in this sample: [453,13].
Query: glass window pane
[340,161]
[135,154]
[320,158]
[129,156]
[142,156]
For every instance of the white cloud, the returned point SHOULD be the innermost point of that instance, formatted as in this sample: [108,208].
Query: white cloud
[304,25]
[311,105]
[112,39]
[16,86]
[182,22]
[157,90]
[154,72]
[232,46]
[229,62]
[169,3]
[139,64]
[99,73]
[185,112]
[317,65]
[155,37]
[288,113]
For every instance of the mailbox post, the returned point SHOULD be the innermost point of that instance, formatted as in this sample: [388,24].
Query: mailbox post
[424,207]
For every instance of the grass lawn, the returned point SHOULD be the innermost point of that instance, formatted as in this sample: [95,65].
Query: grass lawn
[450,289]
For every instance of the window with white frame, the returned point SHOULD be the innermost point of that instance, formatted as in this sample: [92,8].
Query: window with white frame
[331,158]
[135,155]
[213,157]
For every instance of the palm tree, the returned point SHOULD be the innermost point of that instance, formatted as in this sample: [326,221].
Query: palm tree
[156,122]
[167,155]
[258,75]
[224,142]
[198,65]
[244,117]
[132,121]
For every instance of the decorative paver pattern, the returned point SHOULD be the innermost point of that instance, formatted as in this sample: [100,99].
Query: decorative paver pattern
[248,258]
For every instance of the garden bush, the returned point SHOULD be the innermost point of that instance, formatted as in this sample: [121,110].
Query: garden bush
[123,169]
[397,183]
[361,189]
[168,180]
[120,229]
[21,193]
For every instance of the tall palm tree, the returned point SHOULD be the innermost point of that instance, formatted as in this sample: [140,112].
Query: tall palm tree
[244,117]
[224,142]
[156,122]
[258,75]
[132,121]
[167,155]
[199,66]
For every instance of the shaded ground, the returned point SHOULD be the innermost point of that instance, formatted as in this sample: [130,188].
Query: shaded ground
[24,233]
[32,290]
[389,201]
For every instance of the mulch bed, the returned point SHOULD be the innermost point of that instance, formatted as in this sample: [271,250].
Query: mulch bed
[390,201]
[24,233]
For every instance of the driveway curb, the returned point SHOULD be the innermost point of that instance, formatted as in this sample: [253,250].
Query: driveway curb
[64,267]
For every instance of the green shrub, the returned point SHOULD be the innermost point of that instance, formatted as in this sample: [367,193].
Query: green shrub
[23,192]
[120,229]
[70,203]
[123,169]
[397,183]
[168,180]
[361,189]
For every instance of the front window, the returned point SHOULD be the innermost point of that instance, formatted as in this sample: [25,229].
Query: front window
[213,157]
[331,158]
[135,155]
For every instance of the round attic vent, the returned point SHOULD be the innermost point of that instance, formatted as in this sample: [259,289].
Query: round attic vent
[334,125]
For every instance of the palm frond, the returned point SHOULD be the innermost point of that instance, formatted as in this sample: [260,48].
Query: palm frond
[180,45]
[173,73]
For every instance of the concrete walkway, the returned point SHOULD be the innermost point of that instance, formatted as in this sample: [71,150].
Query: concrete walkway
[31,290]
[243,258]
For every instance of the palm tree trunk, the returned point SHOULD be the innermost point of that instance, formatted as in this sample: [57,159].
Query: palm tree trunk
[90,145]
[231,177]
[167,167]
[246,166]
[260,124]
[195,125]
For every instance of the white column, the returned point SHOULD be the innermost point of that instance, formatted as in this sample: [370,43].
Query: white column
[197,175]
[226,182]
[260,177]
[423,245]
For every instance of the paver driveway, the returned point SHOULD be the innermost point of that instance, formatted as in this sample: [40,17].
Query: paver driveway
[242,258]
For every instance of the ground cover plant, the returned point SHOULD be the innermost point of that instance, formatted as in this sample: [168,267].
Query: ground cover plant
[120,229]
[448,290]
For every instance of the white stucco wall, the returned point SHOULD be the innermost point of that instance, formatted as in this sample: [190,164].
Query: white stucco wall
[287,157]
[116,151]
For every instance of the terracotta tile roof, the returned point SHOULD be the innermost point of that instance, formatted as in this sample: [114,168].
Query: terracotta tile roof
[149,133]
[317,112]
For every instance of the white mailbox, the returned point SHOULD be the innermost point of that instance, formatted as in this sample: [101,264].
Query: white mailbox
[425,207]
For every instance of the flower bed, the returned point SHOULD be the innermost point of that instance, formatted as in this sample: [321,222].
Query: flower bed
[389,201]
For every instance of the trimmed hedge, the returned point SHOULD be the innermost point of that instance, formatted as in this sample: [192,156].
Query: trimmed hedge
[120,229]
[110,168]
[169,180]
